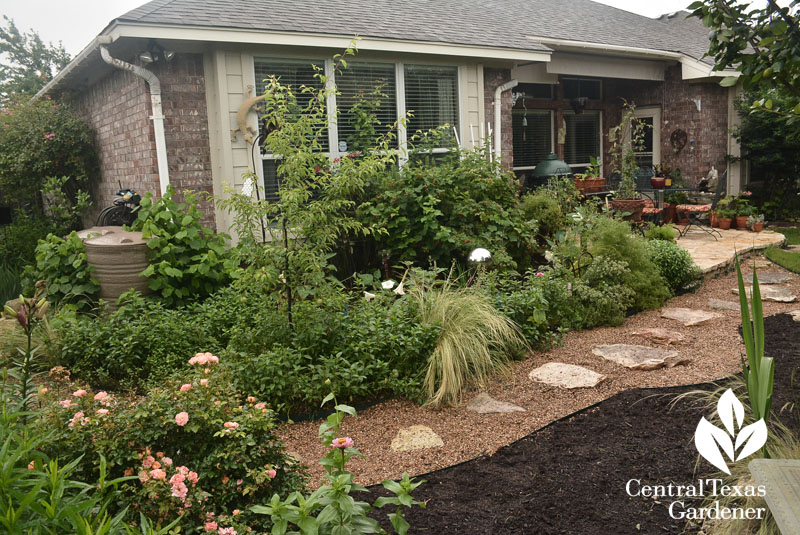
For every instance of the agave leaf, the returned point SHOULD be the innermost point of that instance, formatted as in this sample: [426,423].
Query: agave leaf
[758,318]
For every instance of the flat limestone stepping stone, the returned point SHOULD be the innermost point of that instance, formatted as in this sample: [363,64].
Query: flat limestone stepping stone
[773,278]
[795,315]
[760,263]
[689,316]
[640,357]
[657,335]
[779,294]
[719,304]
[416,437]
[483,403]
[566,375]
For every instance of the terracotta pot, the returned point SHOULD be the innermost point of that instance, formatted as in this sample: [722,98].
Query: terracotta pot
[669,213]
[725,222]
[658,182]
[714,220]
[741,222]
[633,206]
[758,227]
[582,185]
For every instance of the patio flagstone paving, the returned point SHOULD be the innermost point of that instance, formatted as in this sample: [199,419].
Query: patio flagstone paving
[715,255]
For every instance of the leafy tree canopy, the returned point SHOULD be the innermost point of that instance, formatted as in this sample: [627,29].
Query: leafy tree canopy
[763,44]
[26,62]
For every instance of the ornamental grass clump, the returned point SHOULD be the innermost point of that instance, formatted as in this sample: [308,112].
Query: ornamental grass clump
[475,340]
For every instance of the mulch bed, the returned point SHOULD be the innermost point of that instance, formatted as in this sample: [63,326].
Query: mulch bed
[570,476]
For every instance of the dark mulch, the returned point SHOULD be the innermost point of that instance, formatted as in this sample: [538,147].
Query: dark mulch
[570,477]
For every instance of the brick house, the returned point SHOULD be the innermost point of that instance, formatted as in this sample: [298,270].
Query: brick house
[573,62]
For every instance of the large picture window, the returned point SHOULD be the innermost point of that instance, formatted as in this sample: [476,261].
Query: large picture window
[431,95]
[366,103]
[583,138]
[533,137]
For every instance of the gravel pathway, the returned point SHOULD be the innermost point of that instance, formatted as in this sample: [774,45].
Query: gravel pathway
[715,349]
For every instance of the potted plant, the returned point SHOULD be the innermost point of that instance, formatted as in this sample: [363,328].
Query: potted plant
[590,180]
[725,218]
[756,222]
[626,198]
[743,213]
[662,176]
[671,201]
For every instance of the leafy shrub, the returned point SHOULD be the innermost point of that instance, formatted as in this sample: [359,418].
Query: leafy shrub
[475,339]
[674,263]
[193,423]
[613,239]
[434,211]
[542,207]
[62,264]
[524,301]
[19,238]
[661,232]
[187,261]
[600,296]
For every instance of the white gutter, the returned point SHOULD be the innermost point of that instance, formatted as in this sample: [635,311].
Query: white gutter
[498,101]
[157,117]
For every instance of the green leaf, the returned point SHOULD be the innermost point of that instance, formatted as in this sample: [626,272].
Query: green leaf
[729,81]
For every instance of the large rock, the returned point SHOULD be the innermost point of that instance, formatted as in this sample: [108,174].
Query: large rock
[657,335]
[566,375]
[689,316]
[416,437]
[483,403]
[772,278]
[719,304]
[640,357]
[779,294]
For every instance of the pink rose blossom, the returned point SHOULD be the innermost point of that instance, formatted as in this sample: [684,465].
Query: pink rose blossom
[210,526]
[203,359]
[179,490]
[343,442]
[102,412]
[272,473]
[203,382]
[43,391]
[101,396]
[143,477]
[539,274]
[183,470]
[177,478]
[182,418]
[228,531]
[260,405]
[31,465]
[231,425]
[192,477]
[186,387]
[167,461]
[65,403]
[79,393]
[148,461]
[251,399]
[50,136]
[237,512]
[158,474]
[78,419]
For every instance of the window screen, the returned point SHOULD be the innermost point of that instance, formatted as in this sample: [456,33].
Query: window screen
[294,73]
[367,103]
[576,88]
[432,96]
[583,137]
[533,137]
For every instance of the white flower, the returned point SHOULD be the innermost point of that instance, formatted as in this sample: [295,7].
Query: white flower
[548,255]
[399,289]
[387,285]
[368,296]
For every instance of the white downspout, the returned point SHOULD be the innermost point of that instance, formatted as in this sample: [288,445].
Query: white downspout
[498,134]
[158,115]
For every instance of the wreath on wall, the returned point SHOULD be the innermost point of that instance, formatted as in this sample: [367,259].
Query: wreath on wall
[678,138]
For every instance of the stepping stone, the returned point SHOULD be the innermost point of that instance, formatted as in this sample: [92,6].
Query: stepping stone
[657,335]
[779,294]
[759,263]
[416,437]
[795,315]
[689,316]
[483,403]
[719,304]
[773,278]
[566,375]
[640,357]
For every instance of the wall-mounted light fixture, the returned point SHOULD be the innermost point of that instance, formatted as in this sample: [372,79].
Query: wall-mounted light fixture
[155,52]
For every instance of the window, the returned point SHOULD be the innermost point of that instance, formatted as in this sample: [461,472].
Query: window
[431,94]
[535,91]
[581,88]
[533,137]
[365,89]
[583,137]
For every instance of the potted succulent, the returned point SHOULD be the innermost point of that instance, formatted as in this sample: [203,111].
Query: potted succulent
[626,198]
[756,222]
[725,218]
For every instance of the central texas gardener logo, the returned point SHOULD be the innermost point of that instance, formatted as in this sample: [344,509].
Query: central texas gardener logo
[712,442]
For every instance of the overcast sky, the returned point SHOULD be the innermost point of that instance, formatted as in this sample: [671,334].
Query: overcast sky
[76,22]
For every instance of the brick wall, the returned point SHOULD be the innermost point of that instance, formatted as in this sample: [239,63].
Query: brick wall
[492,79]
[118,108]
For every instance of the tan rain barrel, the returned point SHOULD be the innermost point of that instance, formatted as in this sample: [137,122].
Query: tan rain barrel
[118,257]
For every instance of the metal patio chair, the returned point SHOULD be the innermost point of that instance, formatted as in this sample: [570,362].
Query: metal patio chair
[694,211]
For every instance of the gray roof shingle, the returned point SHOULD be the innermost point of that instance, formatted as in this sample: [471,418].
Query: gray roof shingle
[496,23]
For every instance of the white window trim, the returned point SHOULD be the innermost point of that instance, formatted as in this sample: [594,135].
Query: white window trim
[552,137]
[655,113]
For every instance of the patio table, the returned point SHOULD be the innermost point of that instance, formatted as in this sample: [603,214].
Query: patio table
[658,195]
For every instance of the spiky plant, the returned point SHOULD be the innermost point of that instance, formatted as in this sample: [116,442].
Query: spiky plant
[475,340]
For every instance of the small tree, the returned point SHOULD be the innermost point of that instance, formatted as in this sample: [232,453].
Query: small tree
[287,244]
[28,63]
